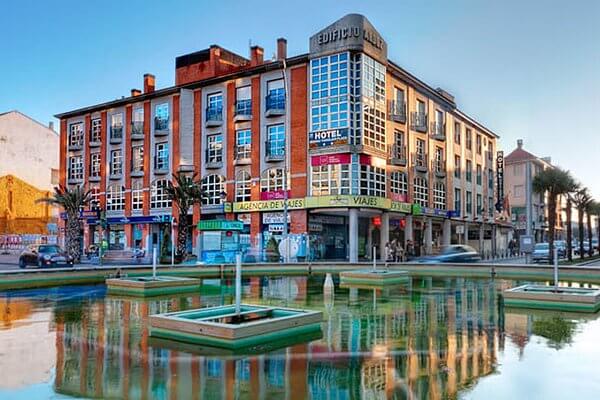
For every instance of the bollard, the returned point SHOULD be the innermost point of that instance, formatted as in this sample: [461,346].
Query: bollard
[374,255]
[238,282]
[154,262]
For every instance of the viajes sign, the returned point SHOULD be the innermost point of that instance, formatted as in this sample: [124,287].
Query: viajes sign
[348,201]
[267,205]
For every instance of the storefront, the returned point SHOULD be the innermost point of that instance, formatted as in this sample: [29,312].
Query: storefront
[328,237]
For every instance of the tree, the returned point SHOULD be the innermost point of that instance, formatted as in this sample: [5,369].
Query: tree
[553,182]
[71,201]
[569,222]
[596,212]
[591,210]
[184,191]
[581,200]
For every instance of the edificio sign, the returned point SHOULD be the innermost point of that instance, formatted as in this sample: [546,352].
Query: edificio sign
[267,205]
[329,137]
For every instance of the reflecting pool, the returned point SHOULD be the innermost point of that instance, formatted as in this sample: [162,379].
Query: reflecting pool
[425,339]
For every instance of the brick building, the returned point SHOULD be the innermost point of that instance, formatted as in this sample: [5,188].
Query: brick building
[371,152]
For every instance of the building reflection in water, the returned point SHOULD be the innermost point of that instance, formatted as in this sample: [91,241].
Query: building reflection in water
[425,343]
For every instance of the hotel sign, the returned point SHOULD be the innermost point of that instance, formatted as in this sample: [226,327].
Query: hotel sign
[267,205]
[329,137]
[500,180]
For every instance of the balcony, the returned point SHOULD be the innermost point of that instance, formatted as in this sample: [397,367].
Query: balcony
[439,168]
[137,130]
[115,175]
[420,162]
[397,111]
[275,104]
[94,178]
[397,154]
[438,130]
[213,158]
[76,146]
[116,134]
[161,126]
[161,169]
[243,110]
[242,155]
[274,152]
[418,122]
[214,116]
[137,172]
[74,181]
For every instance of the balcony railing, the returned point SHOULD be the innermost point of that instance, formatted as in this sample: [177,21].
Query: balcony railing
[438,130]
[397,154]
[420,162]
[137,130]
[214,116]
[161,126]
[116,134]
[418,121]
[275,103]
[397,111]
[274,151]
[439,168]
[243,110]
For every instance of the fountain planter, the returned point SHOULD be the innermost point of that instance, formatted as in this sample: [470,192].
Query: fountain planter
[545,297]
[373,277]
[148,286]
[223,327]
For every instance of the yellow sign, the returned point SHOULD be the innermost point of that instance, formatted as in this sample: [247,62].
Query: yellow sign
[401,207]
[267,205]
[348,201]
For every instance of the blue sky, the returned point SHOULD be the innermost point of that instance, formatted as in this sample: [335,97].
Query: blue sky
[526,69]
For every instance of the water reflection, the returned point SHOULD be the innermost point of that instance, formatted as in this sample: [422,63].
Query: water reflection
[427,339]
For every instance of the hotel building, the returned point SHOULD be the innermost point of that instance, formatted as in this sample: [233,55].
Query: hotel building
[364,151]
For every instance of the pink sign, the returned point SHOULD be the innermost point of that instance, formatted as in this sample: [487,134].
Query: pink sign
[402,198]
[365,159]
[330,159]
[274,195]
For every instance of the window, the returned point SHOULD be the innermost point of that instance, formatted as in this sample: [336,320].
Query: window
[161,156]
[469,201]
[399,96]
[214,109]
[243,142]
[137,125]
[399,185]
[491,179]
[457,199]
[457,132]
[116,162]
[76,167]
[94,196]
[517,169]
[330,179]
[214,151]
[95,165]
[399,149]
[243,100]
[137,159]
[115,198]
[421,192]
[478,174]
[439,160]
[420,155]
[242,186]
[478,143]
[438,127]
[76,135]
[96,131]
[271,180]
[137,195]
[457,167]
[161,117]
[479,205]
[491,207]
[275,95]
[372,181]
[213,187]
[372,103]
[116,126]
[518,190]
[439,196]
[275,140]
[159,198]
[490,151]
[469,139]
[329,92]
[469,171]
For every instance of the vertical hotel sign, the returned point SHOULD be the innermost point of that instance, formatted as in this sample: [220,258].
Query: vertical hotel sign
[499,179]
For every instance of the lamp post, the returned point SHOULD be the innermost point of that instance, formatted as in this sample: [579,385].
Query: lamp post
[285,166]
[173,222]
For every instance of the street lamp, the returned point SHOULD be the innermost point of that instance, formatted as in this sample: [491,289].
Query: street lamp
[285,165]
[173,223]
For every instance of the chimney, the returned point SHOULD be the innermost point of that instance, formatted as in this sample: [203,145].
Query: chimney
[135,92]
[520,143]
[149,82]
[256,55]
[281,48]
[51,125]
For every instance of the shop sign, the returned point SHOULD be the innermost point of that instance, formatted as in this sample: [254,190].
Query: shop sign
[220,225]
[274,195]
[327,219]
[432,212]
[89,214]
[274,218]
[400,207]
[276,228]
[139,219]
[453,214]
[348,201]
[267,205]
[315,227]
[244,218]
[402,198]
[327,138]
[331,159]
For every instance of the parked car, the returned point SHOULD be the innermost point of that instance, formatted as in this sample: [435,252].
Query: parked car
[561,246]
[44,255]
[541,253]
[456,253]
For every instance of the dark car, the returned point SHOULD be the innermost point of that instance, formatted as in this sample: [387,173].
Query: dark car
[44,255]
[456,253]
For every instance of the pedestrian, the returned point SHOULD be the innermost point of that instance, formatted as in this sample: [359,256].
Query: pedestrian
[410,250]
[400,253]
[388,252]
[511,247]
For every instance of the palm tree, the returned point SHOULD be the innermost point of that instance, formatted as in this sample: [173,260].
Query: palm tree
[71,200]
[569,222]
[596,212]
[554,182]
[581,199]
[184,191]
[591,209]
